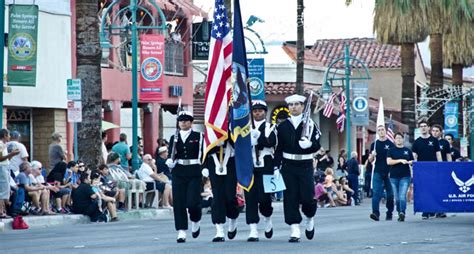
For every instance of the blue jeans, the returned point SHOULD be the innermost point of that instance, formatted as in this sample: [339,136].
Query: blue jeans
[379,183]
[400,188]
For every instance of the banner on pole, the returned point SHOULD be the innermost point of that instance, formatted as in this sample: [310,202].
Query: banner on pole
[360,104]
[256,68]
[443,186]
[451,119]
[152,58]
[22,45]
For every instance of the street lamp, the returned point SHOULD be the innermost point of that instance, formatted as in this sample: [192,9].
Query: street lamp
[326,90]
[116,28]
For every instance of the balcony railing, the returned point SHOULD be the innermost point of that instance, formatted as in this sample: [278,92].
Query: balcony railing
[174,58]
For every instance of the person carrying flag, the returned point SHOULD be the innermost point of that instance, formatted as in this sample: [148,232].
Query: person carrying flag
[186,171]
[294,156]
[264,141]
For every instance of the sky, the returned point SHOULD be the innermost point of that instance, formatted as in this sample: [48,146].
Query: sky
[323,19]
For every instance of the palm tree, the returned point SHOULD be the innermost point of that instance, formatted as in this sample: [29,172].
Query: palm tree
[88,70]
[403,23]
[300,47]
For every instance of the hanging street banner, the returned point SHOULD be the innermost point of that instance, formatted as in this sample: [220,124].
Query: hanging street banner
[74,111]
[360,104]
[201,40]
[443,186]
[256,68]
[22,45]
[152,58]
[451,118]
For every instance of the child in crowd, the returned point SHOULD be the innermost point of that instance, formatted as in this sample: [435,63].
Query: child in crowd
[101,197]
[206,193]
[320,194]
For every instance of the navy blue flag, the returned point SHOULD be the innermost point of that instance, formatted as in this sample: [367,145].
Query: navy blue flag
[443,186]
[240,115]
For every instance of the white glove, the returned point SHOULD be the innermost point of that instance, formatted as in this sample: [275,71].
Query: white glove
[205,172]
[305,143]
[255,133]
[268,131]
[170,163]
[276,174]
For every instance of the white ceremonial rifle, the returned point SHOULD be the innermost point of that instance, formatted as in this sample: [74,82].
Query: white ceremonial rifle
[176,133]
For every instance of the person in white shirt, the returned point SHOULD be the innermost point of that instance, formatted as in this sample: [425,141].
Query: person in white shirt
[152,179]
[18,159]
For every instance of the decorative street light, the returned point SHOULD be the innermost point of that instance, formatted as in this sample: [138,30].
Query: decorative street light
[117,27]
[328,81]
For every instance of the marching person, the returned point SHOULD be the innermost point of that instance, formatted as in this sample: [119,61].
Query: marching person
[264,141]
[455,154]
[294,156]
[380,176]
[220,168]
[186,171]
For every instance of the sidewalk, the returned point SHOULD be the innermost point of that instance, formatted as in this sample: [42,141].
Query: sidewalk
[72,219]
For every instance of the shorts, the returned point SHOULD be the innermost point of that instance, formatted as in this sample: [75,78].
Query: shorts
[62,192]
[160,186]
[110,193]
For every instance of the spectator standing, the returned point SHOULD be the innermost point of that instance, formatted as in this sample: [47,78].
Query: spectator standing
[5,157]
[341,163]
[426,148]
[324,159]
[123,150]
[56,152]
[380,178]
[16,160]
[455,154]
[400,158]
[105,153]
[368,177]
[353,177]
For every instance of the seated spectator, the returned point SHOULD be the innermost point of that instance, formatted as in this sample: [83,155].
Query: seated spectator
[206,193]
[329,186]
[37,178]
[321,195]
[71,177]
[84,200]
[347,190]
[160,162]
[102,199]
[110,186]
[55,178]
[339,195]
[152,179]
[123,177]
[39,194]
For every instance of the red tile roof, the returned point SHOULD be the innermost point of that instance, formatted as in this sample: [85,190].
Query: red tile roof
[368,50]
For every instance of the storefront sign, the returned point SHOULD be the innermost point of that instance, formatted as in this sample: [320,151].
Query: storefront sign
[152,58]
[22,45]
[360,104]
[256,69]
[201,40]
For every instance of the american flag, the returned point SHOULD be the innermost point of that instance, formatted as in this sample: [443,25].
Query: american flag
[219,83]
[329,108]
[342,112]
[390,133]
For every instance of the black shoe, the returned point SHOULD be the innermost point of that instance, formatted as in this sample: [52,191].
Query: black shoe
[218,239]
[425,217]
[231,234]
[196,234]
[374,217]
[181,240]
[252,239]
[269,234]
[294,239]
[309,234]
[441,215]
[388,217]
[401,217]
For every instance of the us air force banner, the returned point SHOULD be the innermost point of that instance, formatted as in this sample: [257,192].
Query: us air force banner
[443,186]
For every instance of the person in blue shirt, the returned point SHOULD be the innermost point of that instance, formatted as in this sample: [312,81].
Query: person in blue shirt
[399,159]
[380,179]
[122,149]
[455,154]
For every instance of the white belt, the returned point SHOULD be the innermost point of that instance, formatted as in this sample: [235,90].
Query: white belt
[188,162]
[298,157]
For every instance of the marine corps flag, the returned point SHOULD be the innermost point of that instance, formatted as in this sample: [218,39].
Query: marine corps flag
[240,112]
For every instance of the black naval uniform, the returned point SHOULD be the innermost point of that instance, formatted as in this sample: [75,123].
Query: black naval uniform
[256,199]
[187,180]
[297,171]
[224,202]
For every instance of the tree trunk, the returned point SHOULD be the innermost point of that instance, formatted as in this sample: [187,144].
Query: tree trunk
[88,70]
[436,80]
[300,48]
[408,87]
[457,74]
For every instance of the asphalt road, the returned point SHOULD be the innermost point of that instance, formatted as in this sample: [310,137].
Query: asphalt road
[338,230]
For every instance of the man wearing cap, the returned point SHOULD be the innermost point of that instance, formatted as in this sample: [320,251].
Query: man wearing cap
[186,171]
[18,159]
[263,140]
[55,151]
[160,162]
[294,156]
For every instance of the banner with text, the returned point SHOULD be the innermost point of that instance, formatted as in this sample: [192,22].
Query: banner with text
[22,45]
[451,118]
[256,68]
[152,58]
[443,186]
[360,104]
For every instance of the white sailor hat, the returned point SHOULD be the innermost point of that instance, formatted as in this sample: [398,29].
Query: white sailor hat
[162,149]
[295,98]
[259,104]
[185,116]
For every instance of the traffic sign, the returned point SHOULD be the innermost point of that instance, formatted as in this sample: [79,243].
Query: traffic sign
[74,89]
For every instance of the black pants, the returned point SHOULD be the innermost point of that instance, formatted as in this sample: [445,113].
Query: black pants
[256,199]
[92,210]
[299,190]
[186,195]
[224,203]
[354,185]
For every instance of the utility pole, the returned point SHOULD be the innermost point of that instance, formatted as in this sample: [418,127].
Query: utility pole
[300,48]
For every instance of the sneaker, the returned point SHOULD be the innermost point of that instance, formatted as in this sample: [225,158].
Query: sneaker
[441,215]
[374,217]
[401,217]
[388,217]
[425,217]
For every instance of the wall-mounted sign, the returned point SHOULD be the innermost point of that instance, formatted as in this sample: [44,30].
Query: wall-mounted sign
[201,40]
[256,68]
